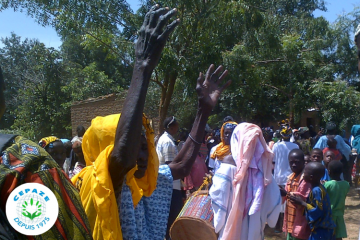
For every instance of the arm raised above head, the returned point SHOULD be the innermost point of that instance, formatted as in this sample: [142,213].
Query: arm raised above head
[152,38]
[208,91]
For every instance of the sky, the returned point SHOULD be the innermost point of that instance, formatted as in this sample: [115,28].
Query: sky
[26,27]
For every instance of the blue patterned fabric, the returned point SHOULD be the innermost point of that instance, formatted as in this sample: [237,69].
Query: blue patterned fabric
[148,220]
[318,214]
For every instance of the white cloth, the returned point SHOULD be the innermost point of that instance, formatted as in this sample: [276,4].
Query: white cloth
[282,168]
[214,163]
[167,151]
[66,166]
[76,138]
[253,226]
[221,193]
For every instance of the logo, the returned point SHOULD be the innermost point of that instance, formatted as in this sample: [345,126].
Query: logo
[32,209]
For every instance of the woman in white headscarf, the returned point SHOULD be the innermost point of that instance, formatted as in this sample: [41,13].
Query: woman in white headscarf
[240,186]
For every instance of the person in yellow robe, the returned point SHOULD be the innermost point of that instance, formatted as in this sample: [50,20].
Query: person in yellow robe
[122,181]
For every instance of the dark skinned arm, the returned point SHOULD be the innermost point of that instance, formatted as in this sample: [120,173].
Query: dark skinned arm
[208,91]
[148,48]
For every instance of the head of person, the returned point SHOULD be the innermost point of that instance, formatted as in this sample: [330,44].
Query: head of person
[313,172]
[228,119]
[171,125]
[77,149]
[331,142]
[286,133]
[55,147]
[335,169]
[304,132]
[316,155]
[80,130]
[331,128]
[68,147]
[268,134]
[226,132]
[2,97]
[99,139]
[329,156]
[307,159]
[296,160]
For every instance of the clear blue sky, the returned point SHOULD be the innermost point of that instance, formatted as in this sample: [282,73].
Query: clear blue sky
[26,27]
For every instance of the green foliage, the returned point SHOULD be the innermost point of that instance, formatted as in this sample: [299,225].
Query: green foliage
[337,102]
[282,60]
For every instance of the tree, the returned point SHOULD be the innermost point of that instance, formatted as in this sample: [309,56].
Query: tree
[33,73]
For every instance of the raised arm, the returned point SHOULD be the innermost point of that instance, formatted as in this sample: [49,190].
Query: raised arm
[208,91]
[148,48]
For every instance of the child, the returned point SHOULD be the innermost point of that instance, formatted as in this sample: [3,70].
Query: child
[316,155]
[331,142]
[337,191]
[317,205]
[295,224]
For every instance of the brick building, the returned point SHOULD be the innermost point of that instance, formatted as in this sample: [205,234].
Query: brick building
[83,112]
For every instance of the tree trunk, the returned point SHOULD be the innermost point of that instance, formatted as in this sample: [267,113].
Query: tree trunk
[166,94]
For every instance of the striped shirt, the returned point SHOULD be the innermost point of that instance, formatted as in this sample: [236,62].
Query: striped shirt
[167,151]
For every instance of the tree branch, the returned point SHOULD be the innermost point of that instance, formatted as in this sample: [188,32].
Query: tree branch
[271,61]
[110,47]
[278,89]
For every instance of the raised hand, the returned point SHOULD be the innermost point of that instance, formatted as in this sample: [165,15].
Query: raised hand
[153,35]
[208,88]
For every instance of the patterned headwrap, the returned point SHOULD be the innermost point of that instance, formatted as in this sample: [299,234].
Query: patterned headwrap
[223,150]
[48,141]
[303,130]
[286,132]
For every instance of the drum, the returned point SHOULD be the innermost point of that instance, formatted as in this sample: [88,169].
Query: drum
[195,220]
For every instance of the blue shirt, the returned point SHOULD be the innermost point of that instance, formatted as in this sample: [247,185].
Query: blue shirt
[341,145]
[149,219]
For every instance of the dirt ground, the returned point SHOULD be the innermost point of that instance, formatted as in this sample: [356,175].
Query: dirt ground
[352,219]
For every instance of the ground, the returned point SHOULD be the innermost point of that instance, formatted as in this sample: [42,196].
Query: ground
[352,219]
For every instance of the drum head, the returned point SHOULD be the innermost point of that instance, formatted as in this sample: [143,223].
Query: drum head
[189,228]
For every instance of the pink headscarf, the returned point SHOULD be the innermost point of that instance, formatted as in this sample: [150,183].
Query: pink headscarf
[253,159]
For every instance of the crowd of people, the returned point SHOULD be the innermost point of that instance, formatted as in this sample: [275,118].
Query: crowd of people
[115,180]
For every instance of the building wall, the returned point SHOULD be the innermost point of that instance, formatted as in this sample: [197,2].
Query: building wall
[84,111]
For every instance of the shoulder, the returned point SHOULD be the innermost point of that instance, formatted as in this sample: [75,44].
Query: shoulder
[330,183]
[164,173]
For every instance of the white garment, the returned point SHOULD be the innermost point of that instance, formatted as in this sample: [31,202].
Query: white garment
[76,138]
[253,226]
[282,168]
[221,193]
[214,163]
[66,166]
[167,151]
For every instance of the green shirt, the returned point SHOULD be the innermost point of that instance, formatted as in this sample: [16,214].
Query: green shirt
[337,191]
